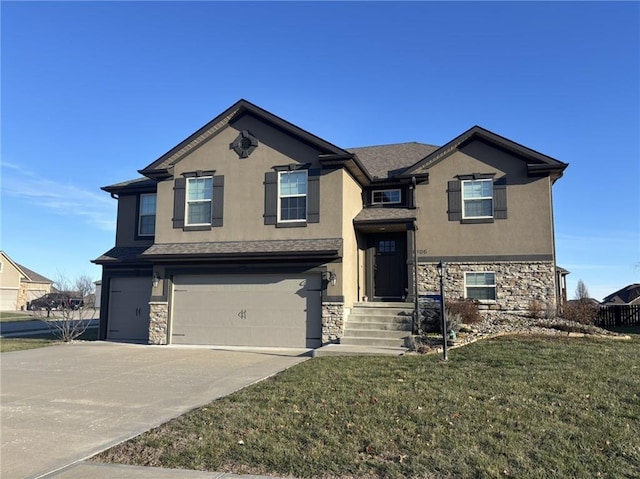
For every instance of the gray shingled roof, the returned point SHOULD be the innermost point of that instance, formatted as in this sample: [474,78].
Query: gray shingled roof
[121,253]
[385,214]
[33,276]
[135,183]
[624,296]
[329,246]
[386,161]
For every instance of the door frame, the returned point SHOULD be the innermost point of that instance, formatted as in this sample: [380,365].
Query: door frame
[370,261]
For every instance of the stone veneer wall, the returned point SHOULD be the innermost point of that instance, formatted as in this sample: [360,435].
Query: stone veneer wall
[158,317]
[517,283]
[332,322]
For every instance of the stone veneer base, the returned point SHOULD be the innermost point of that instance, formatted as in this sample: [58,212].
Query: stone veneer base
[332,322]
[517,283]
[158,322]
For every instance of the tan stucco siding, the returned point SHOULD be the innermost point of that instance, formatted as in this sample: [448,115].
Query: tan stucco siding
[244,191]
[528,230]
[351,206]
[9,275]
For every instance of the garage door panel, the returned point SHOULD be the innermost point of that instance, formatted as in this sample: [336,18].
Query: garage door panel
[247,310]
[129,309]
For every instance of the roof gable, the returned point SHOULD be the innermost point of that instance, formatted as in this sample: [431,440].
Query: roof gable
[26,273]
[161,166]
[537,163]
[626,295]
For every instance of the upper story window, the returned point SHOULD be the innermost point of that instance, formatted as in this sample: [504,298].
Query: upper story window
[147,215]
[480,285]
[292,195]
[385,197]
[477,198]
[199,200]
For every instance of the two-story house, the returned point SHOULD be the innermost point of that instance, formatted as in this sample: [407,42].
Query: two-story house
[255,232]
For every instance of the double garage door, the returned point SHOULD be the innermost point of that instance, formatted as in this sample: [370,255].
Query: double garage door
[247,310]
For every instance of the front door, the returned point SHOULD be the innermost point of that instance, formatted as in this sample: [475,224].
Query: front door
[389,267]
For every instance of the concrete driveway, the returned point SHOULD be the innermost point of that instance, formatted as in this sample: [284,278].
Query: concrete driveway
[62,404]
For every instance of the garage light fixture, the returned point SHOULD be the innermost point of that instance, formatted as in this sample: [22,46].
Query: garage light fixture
[156,280]
[331,277]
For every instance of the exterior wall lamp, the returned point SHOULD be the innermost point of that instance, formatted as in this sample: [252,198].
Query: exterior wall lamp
[331,277]
[442,269]
[156,279]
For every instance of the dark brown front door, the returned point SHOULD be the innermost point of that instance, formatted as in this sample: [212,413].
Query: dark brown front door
[389,267]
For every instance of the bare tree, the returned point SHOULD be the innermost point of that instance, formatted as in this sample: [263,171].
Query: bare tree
[581,291]
[69,314]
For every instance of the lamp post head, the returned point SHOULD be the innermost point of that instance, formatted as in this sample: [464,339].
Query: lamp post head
[441,268]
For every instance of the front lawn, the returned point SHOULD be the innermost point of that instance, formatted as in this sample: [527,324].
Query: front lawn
[40,340]
[508,407]
[10,316]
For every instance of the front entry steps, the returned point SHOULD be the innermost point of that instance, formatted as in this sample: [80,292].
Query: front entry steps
[379,325]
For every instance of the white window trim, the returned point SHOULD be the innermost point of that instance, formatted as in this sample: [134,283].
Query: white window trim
[305,195]
[140,215]
[187,202]
[494,286]
[373,194]
[464,209]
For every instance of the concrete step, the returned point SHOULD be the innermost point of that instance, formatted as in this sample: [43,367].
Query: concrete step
[374,342]
[387,305]
[355,350]
[375,333]
[376,324]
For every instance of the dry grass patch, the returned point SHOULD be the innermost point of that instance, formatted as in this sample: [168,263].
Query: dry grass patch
[509,407]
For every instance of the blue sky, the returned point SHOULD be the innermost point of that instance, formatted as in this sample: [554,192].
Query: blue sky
[94,91]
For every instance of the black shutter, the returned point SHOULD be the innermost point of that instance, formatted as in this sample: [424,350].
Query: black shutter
[455,200]
[218,200]
[179,186]
[313,196]
[500,199]
[270,198]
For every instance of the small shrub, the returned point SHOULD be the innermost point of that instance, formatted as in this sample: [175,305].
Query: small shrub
[466,309]
[582,311]
[535,309]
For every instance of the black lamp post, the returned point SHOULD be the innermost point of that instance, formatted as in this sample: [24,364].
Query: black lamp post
[443,312]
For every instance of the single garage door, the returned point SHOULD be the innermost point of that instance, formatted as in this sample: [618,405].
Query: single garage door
[8,299]
[129,309]
[247,310]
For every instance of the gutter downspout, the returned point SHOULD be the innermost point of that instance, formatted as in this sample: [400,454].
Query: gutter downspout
[416,312]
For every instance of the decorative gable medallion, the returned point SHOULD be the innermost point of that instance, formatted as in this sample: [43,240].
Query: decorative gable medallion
[244,144]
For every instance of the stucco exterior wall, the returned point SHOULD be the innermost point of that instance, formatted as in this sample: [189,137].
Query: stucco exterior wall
[351,206]
[127,223]
[244,192]
[528,230]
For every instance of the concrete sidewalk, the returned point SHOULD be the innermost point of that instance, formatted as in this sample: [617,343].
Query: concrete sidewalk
[63,404]
[84,470]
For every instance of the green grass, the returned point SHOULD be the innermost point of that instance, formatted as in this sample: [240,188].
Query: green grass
[509,407]
[10,316]
[40,340]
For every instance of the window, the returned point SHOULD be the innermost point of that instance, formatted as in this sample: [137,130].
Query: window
[477,196]
[199,199]
[147,215]
[386,247]
[292,195]
[385,196]
[480,286]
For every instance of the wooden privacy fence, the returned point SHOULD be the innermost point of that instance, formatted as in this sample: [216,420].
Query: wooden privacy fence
[619,315]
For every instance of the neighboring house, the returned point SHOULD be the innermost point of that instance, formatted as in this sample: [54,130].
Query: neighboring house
[253,231]
[19,285]
[628,295]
